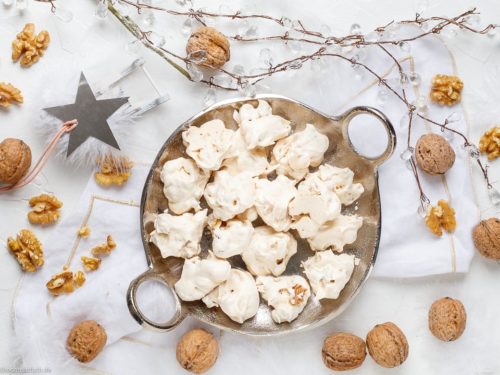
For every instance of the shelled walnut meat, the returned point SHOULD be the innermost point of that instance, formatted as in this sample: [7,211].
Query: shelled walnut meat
[104,248]
[9,94]
[113,170]
[65,282]
[434,154]
[486,237]
[440,217]
[446,90]
[343,351]
[447,319]
[90,264]
[387,345]
[27,249]
[212,45]
[197,351]
[45,209]
[490,143]
[86,340]
[28,46]
[15,160]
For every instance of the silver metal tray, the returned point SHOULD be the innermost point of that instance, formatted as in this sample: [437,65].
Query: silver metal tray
[341,153]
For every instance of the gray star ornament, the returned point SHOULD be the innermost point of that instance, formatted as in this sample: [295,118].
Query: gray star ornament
[92,116]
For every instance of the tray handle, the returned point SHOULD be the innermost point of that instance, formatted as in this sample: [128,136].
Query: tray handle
[346,118]
[139,316]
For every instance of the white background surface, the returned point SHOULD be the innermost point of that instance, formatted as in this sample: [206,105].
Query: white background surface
[403,301]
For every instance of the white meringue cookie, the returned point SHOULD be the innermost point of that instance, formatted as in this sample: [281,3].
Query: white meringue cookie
[183,184]
[200,276]
[238,296]
[314,205]
[260,128]
[287,295]
[230,238]
[340,181]
[299,151]
[269,251]
[208,144]
[179,236]
[240,159]
[328,273]
[337,233]
[272,199]
[229,195]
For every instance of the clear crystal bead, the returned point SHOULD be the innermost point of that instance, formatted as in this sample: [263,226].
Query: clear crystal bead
[420,103]
[133,46]
[473,151]
[286,22]
[449,136]
[382,95]
[492,33]
[296,64]
[473,20]
[195,73]
[65,15]
[21,5]
[210,97]
[147,17]
[197,56]
[7,3]
[239,70]
[295,46]
[426,26]
[454,117]
[187,27]
[355,29]
[325,30]
[265,56]
[249,90]
[494,196]
[423,209]
[403,80]
[422,6]
[243,27]
[404,46]
[407,154]
[223,80]
[372,37]
[101,10]
[414,79]
[157,39]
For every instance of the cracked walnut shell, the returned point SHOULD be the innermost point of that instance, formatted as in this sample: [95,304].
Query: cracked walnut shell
[65,282]
[434,154]
[387,345]
[343,351]
[15,160]
[197,351]
[9,94]
[447,319]
[439,217]
[29,47]
[27,249]
[86,340]
[486,237]
[213,44]
[91,264]
[446,90]
[113,171]
[105,248]
[45,209]
[490,143]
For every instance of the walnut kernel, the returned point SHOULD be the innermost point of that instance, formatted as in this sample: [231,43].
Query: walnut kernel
[27,249]
[113,171]
[213,44]
[15,160]
[197,351]
[447,319]
[83,231]
[65,282]
[29,47]
[86,340]
[439,217]
[490,143]
[91,264]
[343,351]
[387,345]
[9,94]
[45,209]
[105,248]
[446,90]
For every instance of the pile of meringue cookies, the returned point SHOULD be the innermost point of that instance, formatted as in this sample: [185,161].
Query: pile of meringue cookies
[261,170]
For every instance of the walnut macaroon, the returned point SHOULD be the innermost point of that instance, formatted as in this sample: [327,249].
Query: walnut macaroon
[387,345]
[434,154]
[343,351]
[486,237]
[86,340]
[15,160]
[447,319]
[197,351]
[213,44]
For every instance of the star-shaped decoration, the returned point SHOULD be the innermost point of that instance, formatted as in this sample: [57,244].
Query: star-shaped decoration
[92,116]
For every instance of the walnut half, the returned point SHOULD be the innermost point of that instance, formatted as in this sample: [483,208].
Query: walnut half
[45,209]
[490,143]
[9,94]
[90,264]
[27,249]
[65,282]
[113,171]
[105,248]
[439,217]
[446,90]
[29,47]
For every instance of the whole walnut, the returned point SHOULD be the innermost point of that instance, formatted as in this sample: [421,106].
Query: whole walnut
[214,45]
[434,154]
[86,340]
[343,351]
[387,345]
[15,160]
[197,351]
[486,237]
[447,319]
